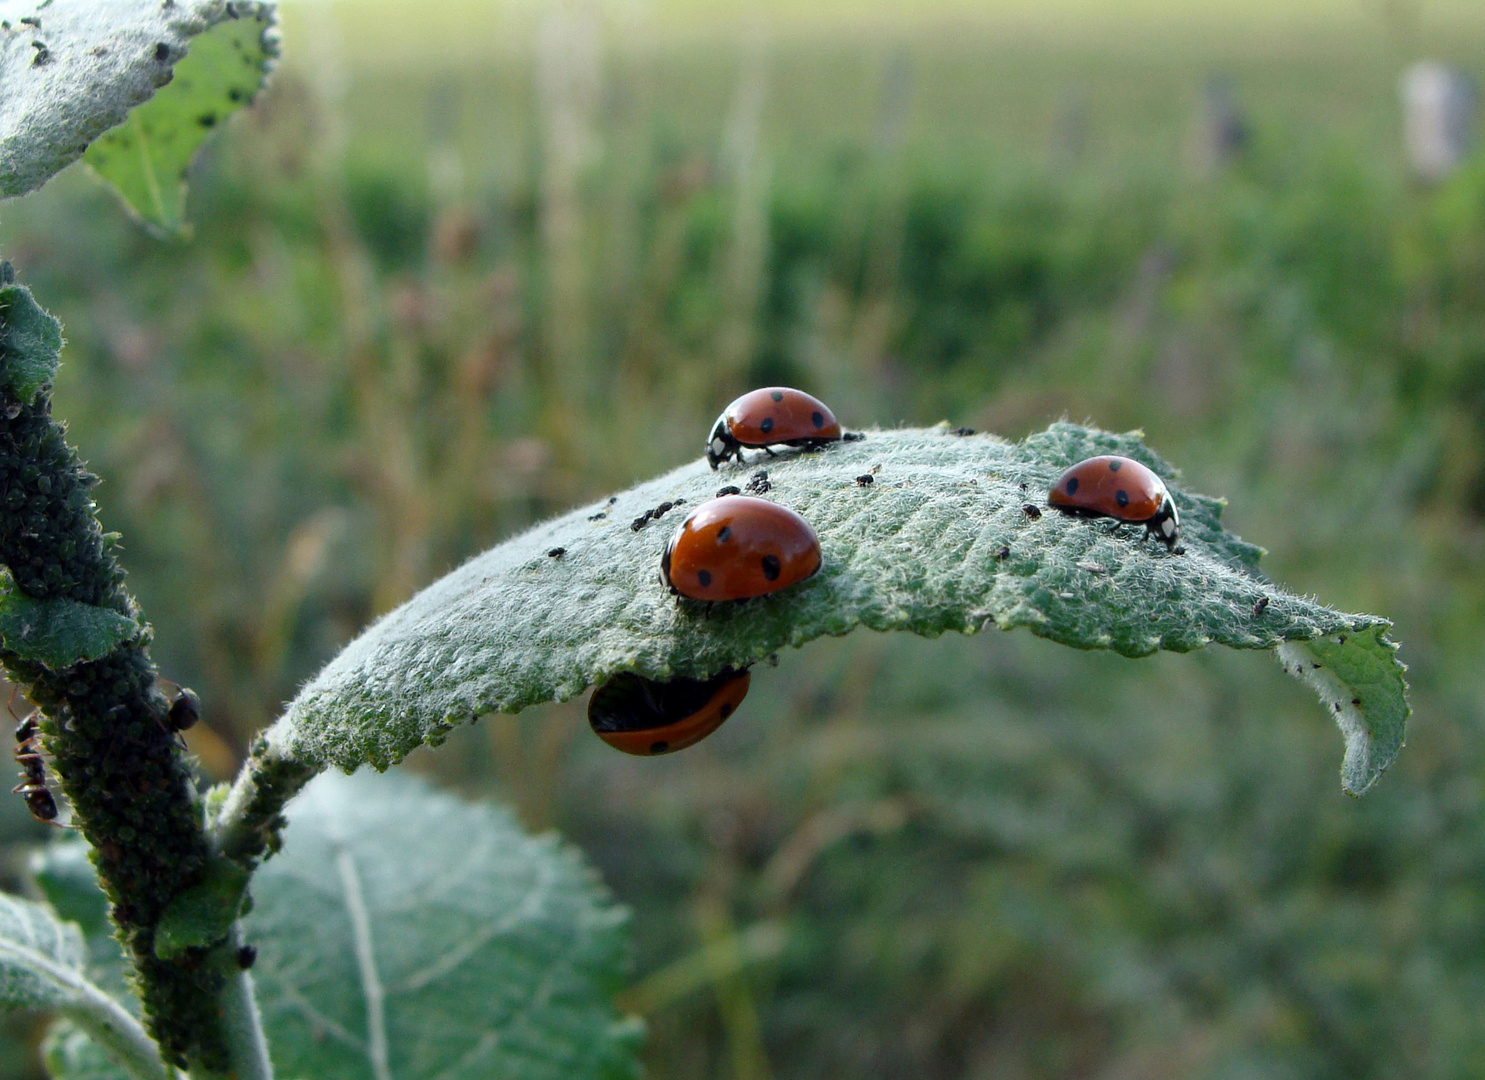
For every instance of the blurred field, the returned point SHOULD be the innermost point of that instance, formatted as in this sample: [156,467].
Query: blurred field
[461,270]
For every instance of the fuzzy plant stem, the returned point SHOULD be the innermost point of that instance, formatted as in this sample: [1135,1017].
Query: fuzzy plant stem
[103,719]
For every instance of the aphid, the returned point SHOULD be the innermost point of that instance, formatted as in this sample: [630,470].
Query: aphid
[738,547]
[865,480]
[1120,488]
[185,710]
[32,787]
[1003,552]
[556,552]
[247,956]
[1260,605]
[643,717]
[773,416]
[730,489]
[964,431]
[758,483]
[1032,511]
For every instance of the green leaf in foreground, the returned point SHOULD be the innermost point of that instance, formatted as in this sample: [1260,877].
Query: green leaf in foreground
[145,157]
[41,967]
[402,932]
[56,631]
[940,541]
[78,69]
[30,340]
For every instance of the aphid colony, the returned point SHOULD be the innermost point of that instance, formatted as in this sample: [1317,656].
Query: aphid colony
[736,547]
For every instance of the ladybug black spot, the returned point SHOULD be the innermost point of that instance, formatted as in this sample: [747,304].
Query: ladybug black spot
[777,396]
[724,534]
[1072,485]
[726,711]
[659,747]
[818,418]
[771,567]
[1115,465]
[705,577]
[767,425]
[1121,497]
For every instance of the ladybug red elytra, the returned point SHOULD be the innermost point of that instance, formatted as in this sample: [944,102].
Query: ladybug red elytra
[772,416]
[738,547]
[1121,488]
[643,717]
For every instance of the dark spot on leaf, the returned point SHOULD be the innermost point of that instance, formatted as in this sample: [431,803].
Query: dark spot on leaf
[207,120]
[1356,701]
[1032,511]
[767,425]
[162,52]
[556,553]
[1072,484]
[1121,497]
[705,577]
[1114,465]
[247,956]
[771,567]
[234,95]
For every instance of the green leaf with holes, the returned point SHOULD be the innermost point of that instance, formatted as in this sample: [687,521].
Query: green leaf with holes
[30,341]
[403,932]
[173,68]
[952,533]
[55,631]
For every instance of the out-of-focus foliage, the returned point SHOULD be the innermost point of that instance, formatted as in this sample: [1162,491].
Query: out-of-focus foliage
[472,299]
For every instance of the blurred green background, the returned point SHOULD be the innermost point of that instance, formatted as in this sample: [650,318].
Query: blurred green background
[466,265]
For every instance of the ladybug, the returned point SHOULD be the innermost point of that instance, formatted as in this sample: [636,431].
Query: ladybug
[769,417]
[738,547]
[643,717]
[1120,488]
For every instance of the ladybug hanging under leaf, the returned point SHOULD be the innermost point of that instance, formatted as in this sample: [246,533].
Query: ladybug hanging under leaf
[772,416]
[1119,488]
[643,717]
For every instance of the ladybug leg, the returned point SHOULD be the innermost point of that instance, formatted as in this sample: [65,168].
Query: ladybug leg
[769,452]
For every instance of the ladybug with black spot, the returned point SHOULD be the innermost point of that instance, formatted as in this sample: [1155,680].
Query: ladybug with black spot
[1119,488]
[772,416]
[738,547]
[643,717]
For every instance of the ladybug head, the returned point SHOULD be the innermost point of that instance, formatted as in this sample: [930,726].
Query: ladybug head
[720,445]
[1165,526]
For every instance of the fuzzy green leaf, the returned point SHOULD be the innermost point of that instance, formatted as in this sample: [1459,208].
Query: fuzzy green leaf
[66,877]
[71,1055]
[402,932]
[41,957]
[939,541]
[58,632]
[145,157]
[1361,682]
[204,913]
[74,70]
[30,341]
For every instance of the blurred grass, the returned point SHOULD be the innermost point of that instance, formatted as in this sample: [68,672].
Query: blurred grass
[456,273]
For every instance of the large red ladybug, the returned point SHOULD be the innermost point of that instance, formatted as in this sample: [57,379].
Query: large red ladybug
[643,717]
[1118,487]
[769,417]
[738,547]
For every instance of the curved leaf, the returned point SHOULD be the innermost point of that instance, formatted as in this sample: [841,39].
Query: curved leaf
[71,71]
[30,340]
[940,540]
[58,632]
[405,933]
[41,958]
